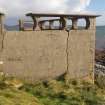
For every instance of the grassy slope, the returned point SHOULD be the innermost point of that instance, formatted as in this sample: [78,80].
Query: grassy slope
[16,97]
[59,93]
[54,92]
[10,95]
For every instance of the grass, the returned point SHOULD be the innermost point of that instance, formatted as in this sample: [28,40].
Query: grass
[10,95]
[16,97]
[59,93]
[53,92]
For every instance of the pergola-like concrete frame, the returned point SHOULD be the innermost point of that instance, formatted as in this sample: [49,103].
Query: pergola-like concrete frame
[90,23]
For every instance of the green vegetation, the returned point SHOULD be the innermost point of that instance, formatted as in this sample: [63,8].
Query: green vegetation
[58,93]
[11,95]
[16,97]
[52,92]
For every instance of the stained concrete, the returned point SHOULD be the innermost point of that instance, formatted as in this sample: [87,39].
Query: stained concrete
[81,50]
[34,55]
[40,55]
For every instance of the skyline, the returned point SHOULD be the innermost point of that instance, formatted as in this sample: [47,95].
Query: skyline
[55,6]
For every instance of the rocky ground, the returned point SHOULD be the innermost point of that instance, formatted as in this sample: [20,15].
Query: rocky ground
[100,75]
[100,68]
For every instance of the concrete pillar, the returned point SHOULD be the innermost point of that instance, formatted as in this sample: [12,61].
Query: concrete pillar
[1,23]
[1,31]
[21,25]
[36,24]
[91,23]
[74,23]
[41,25]
[62,23]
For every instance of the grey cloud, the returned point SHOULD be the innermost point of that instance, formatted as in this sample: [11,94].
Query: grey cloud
[20,7]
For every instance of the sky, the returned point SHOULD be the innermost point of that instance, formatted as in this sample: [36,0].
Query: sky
[15,9]
[98,6]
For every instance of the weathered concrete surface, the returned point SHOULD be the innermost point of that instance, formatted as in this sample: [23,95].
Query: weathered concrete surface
[48,54]
[81,50]
[35,55]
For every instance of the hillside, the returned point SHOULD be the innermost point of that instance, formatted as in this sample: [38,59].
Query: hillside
[10,93]
[53,92]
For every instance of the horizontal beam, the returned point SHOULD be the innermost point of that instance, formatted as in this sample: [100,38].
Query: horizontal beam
[61,15]
[49,20]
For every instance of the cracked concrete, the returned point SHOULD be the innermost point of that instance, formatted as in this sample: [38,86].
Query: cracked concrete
[47,54]
[67,52]
[2,41]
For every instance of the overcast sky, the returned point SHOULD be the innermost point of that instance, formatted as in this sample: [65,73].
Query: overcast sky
[15,9]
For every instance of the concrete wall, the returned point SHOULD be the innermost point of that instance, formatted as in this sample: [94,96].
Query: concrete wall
[81,50]
[36,55]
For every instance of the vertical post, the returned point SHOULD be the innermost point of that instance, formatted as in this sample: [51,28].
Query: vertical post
[74,23]
[41,25]
[62,23]
[92,23]
[1,23]
[1,31]
[21,25]
[36,23]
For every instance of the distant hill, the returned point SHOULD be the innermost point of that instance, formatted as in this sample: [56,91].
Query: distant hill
[16,27]
[12,28]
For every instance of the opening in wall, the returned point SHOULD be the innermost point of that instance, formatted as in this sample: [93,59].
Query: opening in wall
[81,24]
[46,25]
[68,24]
[56,25]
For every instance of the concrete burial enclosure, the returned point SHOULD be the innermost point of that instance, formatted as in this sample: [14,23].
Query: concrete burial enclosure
[43,53]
